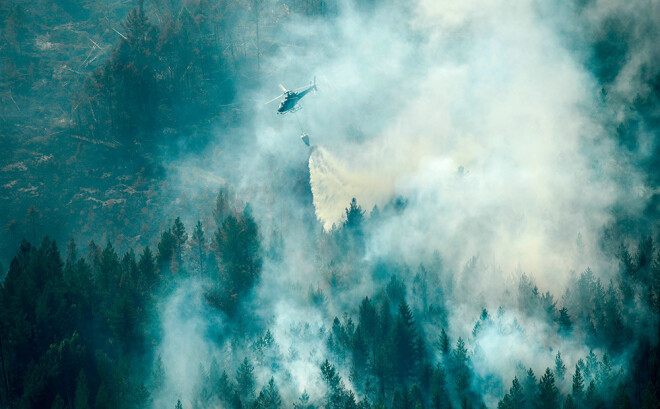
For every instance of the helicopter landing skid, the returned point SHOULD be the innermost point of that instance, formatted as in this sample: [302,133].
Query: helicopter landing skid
[291,111]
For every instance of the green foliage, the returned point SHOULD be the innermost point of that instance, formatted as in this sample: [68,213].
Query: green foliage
[569,403]
[548,392]
[122,320]
[368,319]
[460,367]
[445,344]
[245,380]
[560,368]
[530,389]
[515,399]
[78,334]
[269,397]
[354,216]
[439,394]
[578,384]
[407,353]
[239,250]
[303,402]
[564,321]
[161,75]
[198,245]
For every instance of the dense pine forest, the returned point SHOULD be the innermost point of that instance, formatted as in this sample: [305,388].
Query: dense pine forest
[475,224]
[83,331]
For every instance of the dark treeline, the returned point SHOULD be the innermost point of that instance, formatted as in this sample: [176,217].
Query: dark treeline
[79,332]
[74,326]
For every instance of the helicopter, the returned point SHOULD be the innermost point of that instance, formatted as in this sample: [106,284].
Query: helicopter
[291,98]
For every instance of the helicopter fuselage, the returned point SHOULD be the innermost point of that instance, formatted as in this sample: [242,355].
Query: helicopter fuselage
[291,100]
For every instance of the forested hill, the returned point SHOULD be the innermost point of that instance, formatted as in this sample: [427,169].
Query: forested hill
[99,97]
[132,330]
[475,223]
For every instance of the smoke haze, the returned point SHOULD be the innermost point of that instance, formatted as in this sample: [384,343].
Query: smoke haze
[502,157]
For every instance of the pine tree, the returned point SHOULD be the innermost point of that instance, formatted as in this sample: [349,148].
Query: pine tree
[140,396]
[548,392]
[71,253]
[402,399]
[505,403]
[605,377]
[406,355]
[530,389]
[578,385]
[591,398]
[270,396]
[166,251]
[33,219]
[516,394]
[354,216]
[460,366]
[303,402]
[421,287]
[445,345]
[180,237]
[123,319]
[337,397]
[484,319]
[439,395]
[147,269]
[330,376]
[93,255]
[109,269]
[198,244]
[560,368]
[245,379]
[368,319]
[592,365]
[569,403]
[614,330]
[180,234]
[239,248]
[224,388]
[564,321]
[222,207]
[359,351]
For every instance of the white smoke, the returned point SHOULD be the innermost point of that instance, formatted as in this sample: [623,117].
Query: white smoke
[503,95]
[186,321]
[334,183]
[483,115]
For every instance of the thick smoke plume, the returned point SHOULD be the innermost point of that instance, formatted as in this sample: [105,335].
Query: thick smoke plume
[497,138]
[484,118]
